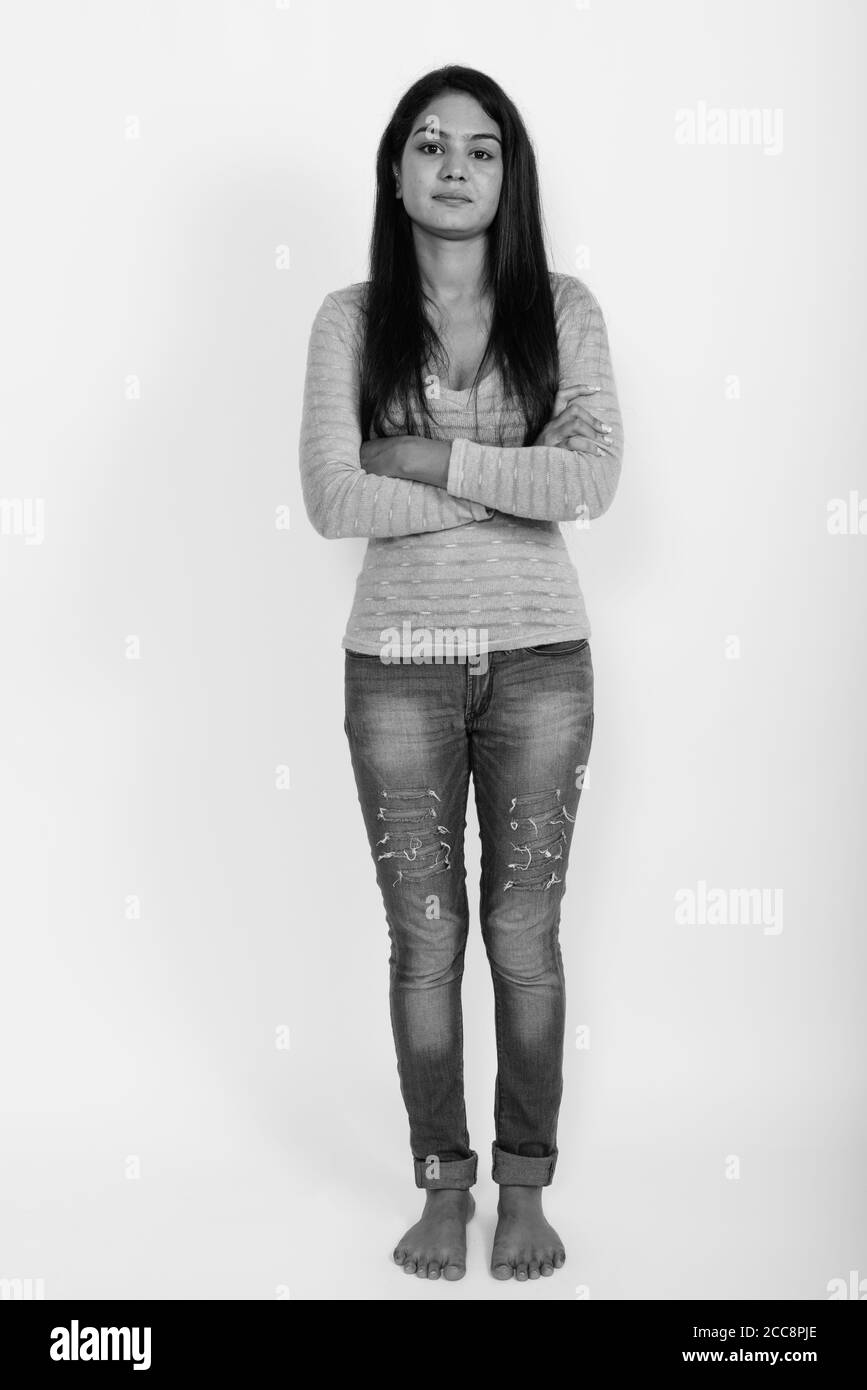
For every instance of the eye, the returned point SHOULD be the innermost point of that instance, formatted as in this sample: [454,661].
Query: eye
[430,146]
[486,153]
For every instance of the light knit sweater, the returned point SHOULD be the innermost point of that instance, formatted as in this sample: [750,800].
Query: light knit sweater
[486,553]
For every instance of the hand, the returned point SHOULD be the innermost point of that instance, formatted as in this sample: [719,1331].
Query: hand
[572,424]
[382,456]
[408,456]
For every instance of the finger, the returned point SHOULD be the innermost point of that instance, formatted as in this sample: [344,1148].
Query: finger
[593,446]
[566,398]
[578,412]
[573,393]
[579,427]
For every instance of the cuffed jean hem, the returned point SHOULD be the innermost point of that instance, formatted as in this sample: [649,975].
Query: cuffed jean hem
[456,1172]
[511,1170]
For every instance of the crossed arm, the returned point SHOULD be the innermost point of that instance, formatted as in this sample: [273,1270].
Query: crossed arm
[340,497]
[405,484]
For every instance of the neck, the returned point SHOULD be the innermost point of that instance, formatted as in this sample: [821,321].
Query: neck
[452,272]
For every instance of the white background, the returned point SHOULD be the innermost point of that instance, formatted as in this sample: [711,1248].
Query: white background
[161,162]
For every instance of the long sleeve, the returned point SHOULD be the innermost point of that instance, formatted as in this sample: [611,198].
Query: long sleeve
[551,483]
[341,499]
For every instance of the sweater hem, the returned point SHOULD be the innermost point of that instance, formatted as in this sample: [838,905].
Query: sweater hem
[532,639]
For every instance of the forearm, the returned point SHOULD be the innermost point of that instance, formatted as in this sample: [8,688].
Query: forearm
[340,497]
[353,503]
[539,482]
[424,460]
[552,482]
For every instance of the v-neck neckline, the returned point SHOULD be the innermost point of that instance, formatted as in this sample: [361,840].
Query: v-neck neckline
[467,390]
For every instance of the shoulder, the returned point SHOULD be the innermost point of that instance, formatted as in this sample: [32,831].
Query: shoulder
[346,303]
[572,298]
[350,298]
[338,321]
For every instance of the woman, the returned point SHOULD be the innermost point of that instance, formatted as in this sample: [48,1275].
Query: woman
[443,419]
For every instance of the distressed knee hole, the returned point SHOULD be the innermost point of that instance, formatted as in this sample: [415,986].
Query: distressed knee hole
[538,843]
[414,840]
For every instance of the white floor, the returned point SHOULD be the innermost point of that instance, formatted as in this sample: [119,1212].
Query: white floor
[260,1219]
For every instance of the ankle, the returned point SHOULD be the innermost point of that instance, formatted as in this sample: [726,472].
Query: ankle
[513,1198]
[447,1196]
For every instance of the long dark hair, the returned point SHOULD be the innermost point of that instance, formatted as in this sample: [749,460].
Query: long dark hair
[399,339]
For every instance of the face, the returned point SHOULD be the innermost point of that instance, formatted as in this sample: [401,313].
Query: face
[452,152]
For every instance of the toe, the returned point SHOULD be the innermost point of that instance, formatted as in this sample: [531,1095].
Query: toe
[533,1269]
[433,1270]
[546,1269]
[502,1270]
[453,1270]
[409,1266]
[422,1269]
[399,1255]
[559,1258]
[521,1271]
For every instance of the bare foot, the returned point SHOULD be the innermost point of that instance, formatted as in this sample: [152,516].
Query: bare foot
[525,1245]
[437,1244]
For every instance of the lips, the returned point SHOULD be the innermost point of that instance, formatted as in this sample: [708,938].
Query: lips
[451,197]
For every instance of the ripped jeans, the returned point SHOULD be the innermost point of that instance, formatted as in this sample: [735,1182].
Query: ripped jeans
[523,727]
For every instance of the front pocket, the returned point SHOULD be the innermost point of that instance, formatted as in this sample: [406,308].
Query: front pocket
[559,648]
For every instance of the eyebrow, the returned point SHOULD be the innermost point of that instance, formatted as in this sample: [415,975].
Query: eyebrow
[423,130]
